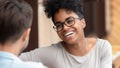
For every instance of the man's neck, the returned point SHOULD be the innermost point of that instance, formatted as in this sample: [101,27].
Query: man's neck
[10,49]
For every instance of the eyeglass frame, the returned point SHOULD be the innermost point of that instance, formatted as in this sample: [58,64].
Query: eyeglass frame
[65,23]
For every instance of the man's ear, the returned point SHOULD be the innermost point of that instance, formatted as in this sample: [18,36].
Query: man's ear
[26,34]
[83,23]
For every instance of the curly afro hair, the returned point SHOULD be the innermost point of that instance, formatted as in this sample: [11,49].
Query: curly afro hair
[53,6]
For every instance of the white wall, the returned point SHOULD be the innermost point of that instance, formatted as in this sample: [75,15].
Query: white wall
[47,34]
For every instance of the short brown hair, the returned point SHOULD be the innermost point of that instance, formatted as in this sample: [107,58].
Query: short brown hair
[15,17]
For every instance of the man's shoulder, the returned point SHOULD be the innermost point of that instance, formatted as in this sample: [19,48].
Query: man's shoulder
[19,64]
[28,65]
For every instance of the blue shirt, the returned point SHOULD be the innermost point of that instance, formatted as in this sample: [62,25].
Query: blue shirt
[8,60]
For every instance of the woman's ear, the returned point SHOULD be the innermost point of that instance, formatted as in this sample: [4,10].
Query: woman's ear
[83,23]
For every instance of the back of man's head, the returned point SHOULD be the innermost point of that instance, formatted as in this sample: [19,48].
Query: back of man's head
[15,18]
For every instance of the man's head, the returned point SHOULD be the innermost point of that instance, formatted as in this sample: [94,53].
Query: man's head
[15,21]
[15,18]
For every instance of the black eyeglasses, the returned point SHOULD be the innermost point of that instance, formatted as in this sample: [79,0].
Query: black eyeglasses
[70,21]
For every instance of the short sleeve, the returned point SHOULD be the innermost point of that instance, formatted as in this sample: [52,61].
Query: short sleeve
[33,55]
[106,55]
[46,55]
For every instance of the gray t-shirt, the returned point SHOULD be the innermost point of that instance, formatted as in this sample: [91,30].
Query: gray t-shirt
[55,56]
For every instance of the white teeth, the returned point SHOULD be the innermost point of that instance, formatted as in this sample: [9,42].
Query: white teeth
[69,33]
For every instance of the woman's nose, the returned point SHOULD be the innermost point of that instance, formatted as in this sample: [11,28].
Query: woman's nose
[65,27]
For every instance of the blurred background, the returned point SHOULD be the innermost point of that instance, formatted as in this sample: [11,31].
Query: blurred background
[102,18]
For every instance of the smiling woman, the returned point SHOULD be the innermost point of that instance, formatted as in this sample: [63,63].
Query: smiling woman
[75,50]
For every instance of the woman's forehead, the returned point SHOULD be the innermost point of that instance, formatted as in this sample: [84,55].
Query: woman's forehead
[62,14]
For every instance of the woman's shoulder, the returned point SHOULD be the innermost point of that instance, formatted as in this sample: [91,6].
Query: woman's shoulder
[102,45]
[99,44]
[98,41]
[103,42]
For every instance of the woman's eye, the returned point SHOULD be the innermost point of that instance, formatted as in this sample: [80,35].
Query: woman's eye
[70,21]
[58,25]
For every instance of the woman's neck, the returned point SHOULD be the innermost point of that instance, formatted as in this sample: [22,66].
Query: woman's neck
[81,48]
[78,49]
